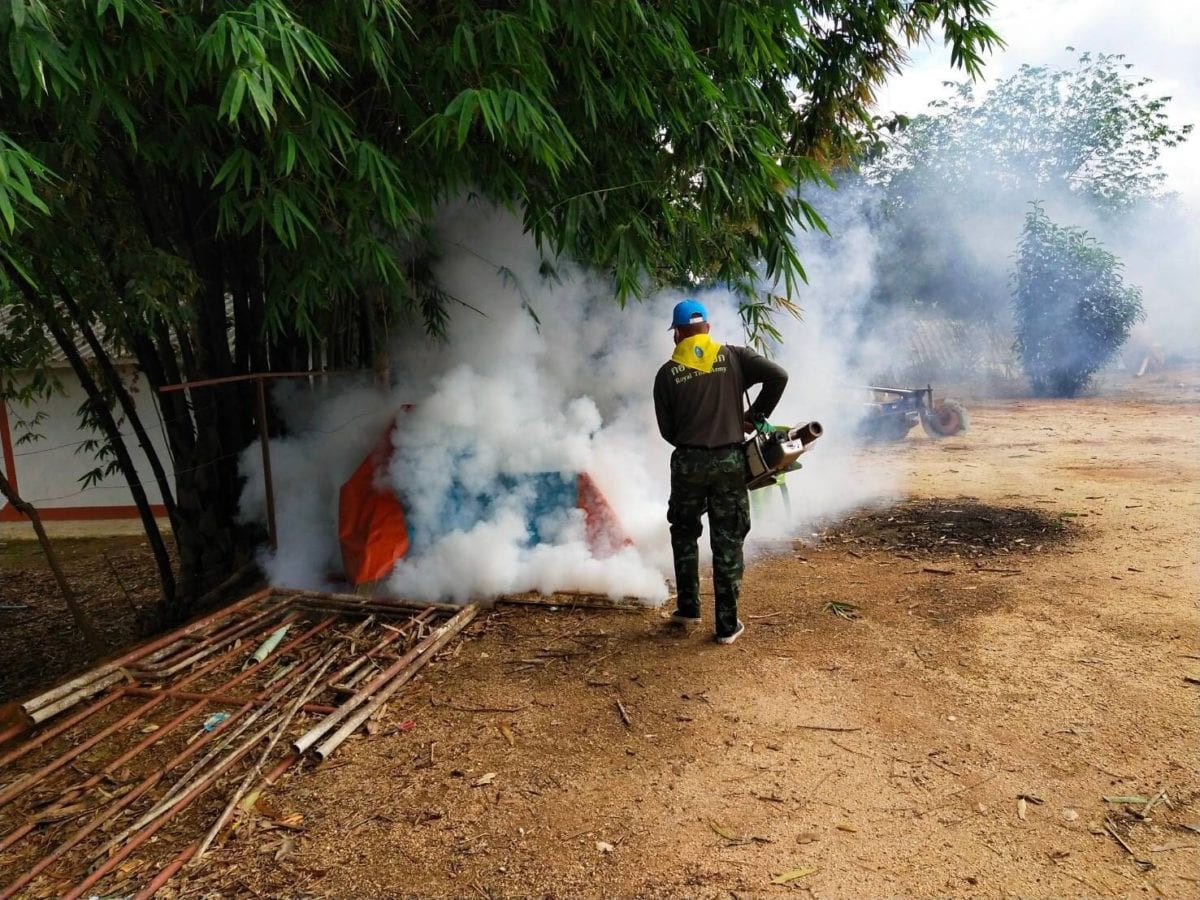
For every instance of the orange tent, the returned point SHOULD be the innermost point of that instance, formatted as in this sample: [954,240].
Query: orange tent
[605,536]
[371,525]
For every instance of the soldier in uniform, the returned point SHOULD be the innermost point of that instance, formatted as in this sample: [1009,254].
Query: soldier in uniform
[698,402]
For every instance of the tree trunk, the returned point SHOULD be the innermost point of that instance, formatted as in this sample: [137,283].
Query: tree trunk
[128,407]
[78,613]
[45,307]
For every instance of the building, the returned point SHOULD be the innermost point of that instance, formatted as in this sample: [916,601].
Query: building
[46,451]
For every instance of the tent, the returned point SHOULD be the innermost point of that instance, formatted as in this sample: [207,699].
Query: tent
[374,533]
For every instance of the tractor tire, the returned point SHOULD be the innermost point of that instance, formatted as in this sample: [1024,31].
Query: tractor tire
[948,417]
[885,429]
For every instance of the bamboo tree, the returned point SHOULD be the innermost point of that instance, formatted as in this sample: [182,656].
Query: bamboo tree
[82,620]
[112,433]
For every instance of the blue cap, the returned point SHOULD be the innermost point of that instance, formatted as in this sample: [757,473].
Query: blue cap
[688,312]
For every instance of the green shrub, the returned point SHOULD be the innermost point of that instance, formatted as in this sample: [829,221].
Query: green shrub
[1072,308]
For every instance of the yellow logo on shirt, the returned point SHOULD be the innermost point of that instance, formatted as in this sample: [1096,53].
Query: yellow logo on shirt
[698,352]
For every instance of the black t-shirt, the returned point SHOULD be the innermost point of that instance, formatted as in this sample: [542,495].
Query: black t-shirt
[699,409]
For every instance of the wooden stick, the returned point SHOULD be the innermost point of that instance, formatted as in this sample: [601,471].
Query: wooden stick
[624,714]
[837,743]
[831,727]
[572,601]
[1111,829]
[282,725]
[441,637]
[1153,802]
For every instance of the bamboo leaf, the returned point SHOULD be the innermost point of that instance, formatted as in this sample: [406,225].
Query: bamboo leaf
[794,875]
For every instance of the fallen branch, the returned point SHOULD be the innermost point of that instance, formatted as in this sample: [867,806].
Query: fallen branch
[1154,801]
[836,743]
[624,714]
[1111,828]
[831,727]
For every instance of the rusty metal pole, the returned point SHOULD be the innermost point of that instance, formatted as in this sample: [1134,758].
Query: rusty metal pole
[266,457]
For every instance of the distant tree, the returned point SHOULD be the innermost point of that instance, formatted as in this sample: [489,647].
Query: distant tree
[1091,128]
[230,186]
[1072,308]
[1089,135]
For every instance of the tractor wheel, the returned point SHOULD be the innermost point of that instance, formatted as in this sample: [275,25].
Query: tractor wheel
[946,418]
[885,428]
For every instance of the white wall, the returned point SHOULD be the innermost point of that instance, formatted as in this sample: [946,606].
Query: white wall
[48,469]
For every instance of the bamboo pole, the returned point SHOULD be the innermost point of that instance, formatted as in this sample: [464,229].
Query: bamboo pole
[373,603]
[158,646]
[315,733]
[20,786]
[572,600]
[421,654]
[252,776]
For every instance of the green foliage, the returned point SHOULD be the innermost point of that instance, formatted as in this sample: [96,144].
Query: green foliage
[1091,129]
[1072,308]
[660,142]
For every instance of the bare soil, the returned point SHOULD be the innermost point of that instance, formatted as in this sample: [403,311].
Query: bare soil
[1027,625]
[115,581]
[1026,645]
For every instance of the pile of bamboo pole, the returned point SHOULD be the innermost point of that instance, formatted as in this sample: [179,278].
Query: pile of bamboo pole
[290,675]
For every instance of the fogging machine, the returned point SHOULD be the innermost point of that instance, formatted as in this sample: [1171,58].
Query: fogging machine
[773,450]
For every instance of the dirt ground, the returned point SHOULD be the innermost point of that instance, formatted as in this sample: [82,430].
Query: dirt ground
[931,699]
[1015,644]
[114,580]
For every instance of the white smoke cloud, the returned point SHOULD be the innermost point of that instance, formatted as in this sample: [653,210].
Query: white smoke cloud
[1159,247]
[332,428]
[542,378]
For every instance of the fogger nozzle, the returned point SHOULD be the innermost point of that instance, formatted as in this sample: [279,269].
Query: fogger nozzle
[806,433]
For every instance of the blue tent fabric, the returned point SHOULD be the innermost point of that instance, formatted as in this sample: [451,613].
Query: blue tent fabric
[542,494]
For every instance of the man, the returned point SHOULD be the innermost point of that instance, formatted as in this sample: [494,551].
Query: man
[698,402]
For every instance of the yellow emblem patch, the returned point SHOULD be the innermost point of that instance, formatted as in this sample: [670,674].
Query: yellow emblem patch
[698,352]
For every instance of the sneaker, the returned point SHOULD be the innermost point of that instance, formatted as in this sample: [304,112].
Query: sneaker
[730,638]
[678,618]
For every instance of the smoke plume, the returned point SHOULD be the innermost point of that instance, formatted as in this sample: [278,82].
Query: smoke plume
[541,377]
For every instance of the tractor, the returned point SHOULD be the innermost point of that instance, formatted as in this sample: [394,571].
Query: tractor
[893,412]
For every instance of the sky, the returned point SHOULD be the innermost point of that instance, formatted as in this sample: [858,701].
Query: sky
[1161,38]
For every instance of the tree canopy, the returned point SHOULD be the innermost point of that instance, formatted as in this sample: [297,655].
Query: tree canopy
[1091,128]
[218,187]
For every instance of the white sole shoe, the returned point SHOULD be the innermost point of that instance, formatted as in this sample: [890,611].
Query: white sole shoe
[677,619]
[730,638]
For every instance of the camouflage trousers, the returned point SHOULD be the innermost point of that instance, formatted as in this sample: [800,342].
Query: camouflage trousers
[712,481]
